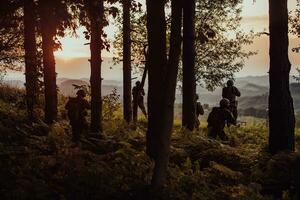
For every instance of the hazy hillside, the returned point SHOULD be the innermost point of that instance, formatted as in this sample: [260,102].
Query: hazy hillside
[67,89]
[254,90]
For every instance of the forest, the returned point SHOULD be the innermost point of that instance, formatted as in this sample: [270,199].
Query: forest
[154,139]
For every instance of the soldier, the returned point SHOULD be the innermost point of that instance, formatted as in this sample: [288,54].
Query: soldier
[199,111]
[76,108]
[217,119]
[231,92]
[138,94]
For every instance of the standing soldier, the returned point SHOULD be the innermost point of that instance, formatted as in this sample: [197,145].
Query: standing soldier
[138,94]
[231,92]
[76,108]
[218,118]
[199,111]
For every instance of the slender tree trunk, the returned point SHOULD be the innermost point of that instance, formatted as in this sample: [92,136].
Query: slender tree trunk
[281,109]
[162,84]
[31,72]
[189,79]
[96,14]
[48,32]
[127,104]
[144,75]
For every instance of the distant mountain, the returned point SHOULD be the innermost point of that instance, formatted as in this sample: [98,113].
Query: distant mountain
[257,80]
[261,101]
[254,90]
[67,89]
[66,86]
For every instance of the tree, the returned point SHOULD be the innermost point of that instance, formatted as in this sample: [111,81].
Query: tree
[11,35]
[127,107]
[281,110]
[219,42]
[295,25]
[138,34]
[95,10]
[188,60]
[93,16]
[55,19]
[162,80]
[48,32]
[31,65]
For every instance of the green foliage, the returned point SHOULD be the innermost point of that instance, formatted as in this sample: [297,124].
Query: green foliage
[111,104]
[219,42]
[11,36]
[139,41]
[294,21]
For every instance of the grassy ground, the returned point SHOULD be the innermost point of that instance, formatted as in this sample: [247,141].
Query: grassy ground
[39,162]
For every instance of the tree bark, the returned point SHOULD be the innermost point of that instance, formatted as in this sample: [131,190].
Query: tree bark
[281,109]
[189,79]
[31,71]
[162,84]
[96,15]
[127,104]
[48,30]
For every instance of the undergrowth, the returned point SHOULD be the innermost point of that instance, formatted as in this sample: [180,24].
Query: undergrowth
[40,162]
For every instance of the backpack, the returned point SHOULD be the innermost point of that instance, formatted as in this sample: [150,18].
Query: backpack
[73,107]
[228,93]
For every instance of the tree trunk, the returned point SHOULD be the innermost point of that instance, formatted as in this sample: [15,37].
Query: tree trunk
[281,109]
[48,32]
[96,15]
[31,71]
[127,104]
[162,84]
[189,79]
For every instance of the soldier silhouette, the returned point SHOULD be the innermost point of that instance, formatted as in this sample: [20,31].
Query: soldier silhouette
[138,94]
[76,107]
[199,111]
[218,118]
[230,92]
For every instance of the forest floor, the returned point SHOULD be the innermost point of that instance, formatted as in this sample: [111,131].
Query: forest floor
[39,162]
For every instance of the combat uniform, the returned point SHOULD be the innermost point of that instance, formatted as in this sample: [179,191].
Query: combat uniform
[217,119]
[76,108]
[230,93]
[138,101]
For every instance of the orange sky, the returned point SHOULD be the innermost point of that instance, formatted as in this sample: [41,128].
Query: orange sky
[72,60]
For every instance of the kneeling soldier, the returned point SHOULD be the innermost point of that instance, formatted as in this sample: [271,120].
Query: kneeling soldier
[218,118]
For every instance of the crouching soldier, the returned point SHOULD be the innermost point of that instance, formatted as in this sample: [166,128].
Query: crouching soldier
[218,118]
[199,111]
[76,108]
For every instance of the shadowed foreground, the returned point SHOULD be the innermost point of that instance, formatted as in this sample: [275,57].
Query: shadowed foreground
[39,162]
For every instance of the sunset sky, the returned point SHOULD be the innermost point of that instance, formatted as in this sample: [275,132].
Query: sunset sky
[72,60]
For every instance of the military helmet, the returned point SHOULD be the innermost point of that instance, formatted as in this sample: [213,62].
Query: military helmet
[81,93]
[224,103]
[230,83]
